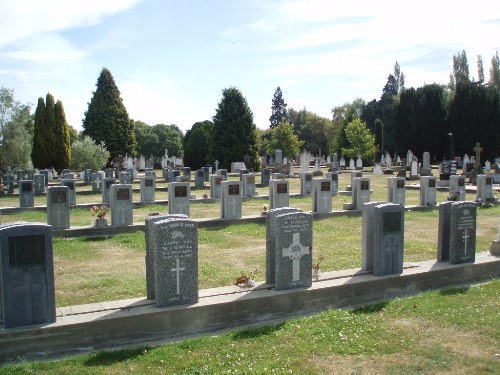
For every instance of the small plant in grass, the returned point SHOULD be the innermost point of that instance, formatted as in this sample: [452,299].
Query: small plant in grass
[205,195]
[247,280]
[454,195]
[316,266]
[99,210]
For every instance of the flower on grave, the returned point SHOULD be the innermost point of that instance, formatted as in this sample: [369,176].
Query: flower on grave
[247,280]
[454,195]
[99,211]
[2,187]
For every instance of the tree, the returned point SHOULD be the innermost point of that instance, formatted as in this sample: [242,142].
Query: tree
[154,140]
[379,134]
[361,140]
[314,130]
[86,154]
[234,133]
[62,157]
[341,117]
[197,144]
[495,72]
[399,77]
[283,138]
[278,108]
[39,150]
[480,69]
[106,119]
[460,68]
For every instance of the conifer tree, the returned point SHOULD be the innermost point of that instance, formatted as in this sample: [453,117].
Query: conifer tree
[39,150]
[106,119]
[63,156]
[278,109]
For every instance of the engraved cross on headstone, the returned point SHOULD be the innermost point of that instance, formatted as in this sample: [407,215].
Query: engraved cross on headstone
[295,252]
[98,182]
[465,237]
[325,201]
[177,270]
[477,149]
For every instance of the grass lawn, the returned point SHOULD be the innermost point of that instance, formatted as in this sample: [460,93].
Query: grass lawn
[452,331]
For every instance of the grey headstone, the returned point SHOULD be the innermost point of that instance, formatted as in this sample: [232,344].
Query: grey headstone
[187,172]
[206,173]
[70,183]
[334,177]
[97,182]
[178,198]
[27,275]
[58,207]
[150,246]
[265,176]
[199,179]
[20,175]
[109,173]
[306,183]
[223,173]
[368,227]
[457,184]
[176,262]
[121,205]
[29,174]
[8,182]
[231,201]
[279,194]
[215,188]
[26,194]
[396,190]
[106,187]
[39,183]
[278,157]
[388,239]
[463,232]
[444,227]
[248,185]
[322,195]
[484,190]
[148,188]
[427,191]
[124,178]
[294,251]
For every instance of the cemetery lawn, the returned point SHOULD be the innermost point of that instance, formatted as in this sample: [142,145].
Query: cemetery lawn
[451,331]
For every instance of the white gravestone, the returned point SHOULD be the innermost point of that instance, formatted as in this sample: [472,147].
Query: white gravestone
[231,200]
[178,198]
[322,195]
[215,181]
[396,190]
[457,186]
[427,191]
[248,181]
[148,187]
[306,183]
[484,191]
[278,194]
[58,207]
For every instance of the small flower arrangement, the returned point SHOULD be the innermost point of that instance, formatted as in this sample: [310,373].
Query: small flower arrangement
[247,280]
[205,195]
[316,267]
[99,211]
[454,195]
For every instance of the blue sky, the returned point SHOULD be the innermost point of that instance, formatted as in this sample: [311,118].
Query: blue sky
[172,59]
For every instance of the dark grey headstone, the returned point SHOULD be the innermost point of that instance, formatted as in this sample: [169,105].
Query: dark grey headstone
[293,251]
[265,176]
[97,182]
[178,198]
[367,228]
[121,205]
[279,194]
[58,207]
[463,232]
[148,187]
[26,193]
[271,240]
[334,177]
[8,182]
[106,187]
[124,178]
[176,262]
[70,183]
[444,227]
[231,200]
[27,274]
[199,179]
[39,183]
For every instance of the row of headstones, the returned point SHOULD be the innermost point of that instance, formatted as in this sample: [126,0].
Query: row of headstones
[27,269]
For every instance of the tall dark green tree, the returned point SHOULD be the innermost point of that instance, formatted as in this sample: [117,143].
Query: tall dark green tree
[278,109]
[197,144]
[379,135]
[107,120]
[234,134]
[62,159]
[495,72]
[40,149]
[460,69]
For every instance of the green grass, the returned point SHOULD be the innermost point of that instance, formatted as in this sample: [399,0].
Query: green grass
[447,332]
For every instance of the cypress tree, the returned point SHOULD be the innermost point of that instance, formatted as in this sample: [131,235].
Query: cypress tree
[52,149]
[106,119]
[63,157]
[278,109]
[39,150]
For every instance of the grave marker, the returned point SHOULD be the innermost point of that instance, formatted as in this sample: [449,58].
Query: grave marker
[322,196]
[427,191]
[396,192]
[148,188]
[178,198]
[231,200]
[58,207]
[121,205]
[106,187]
[26,194]
[215,181]
[70,183]
[278,194]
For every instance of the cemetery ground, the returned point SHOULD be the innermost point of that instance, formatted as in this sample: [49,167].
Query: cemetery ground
[451,331]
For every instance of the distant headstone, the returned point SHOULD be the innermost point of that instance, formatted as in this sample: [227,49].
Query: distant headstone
[306,183]
[236,166]
[199,179]
[121,205]
[278,176]
[97,182]
[322,196]
[335,162]
[334,178]
[360,193]
[176,262]
[206,173]
[87,176]
[278,157]
[248,185]
[396,190]
[231,201]
[243,172]
[148,188]
[457,186]
[271,234]
[27,275]
[70,183]
[215,181]
[29,174]
[413,169]
[223,174]
[377,169]
[409,158]
[305,159]
[342,162]
[352,164]
[187,172]
[426,165]
[293,251]
[178,198]
[124,178]
[109,173]
[39,183]
[265,176]
[150,248]
[427,191]
[484,191]
[367,227]
[359,163]
[46,175]
[26,193]
[106,186]
[279,195]
[58,207]
[20,175]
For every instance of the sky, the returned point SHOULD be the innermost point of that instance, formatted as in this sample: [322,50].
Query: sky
[172,59]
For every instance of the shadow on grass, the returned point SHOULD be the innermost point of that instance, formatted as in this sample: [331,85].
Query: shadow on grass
[94,239]
[454,291]
[256,332]
[370,309]
[110,358]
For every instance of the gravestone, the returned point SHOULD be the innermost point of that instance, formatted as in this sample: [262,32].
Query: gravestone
[223,174]
[70,183]
[359,163]
[462,232]
[199,179]
[174,173]
[444,227]
[58,207]
[426,165]
[166,174]
[278,156]
[279,195]
[176,262]
[367,227]
[271,233]
[124,178]
[305,159]
[306,183]
[29,174]
[396,192]
[231,201]
[142,163]
[8,182]
[46,175]
[109,173]
[187,172]
[215,181]
[148,188]
[413,170]
[360,193]
[106,186]
[377,169]
[27,275]
[182,179]
[457,184]
[178,198]
[248,185]
[484,191]
[39,183]
[334,178]
[150,173]
[352,165]
[354,174]
[26,194]
[20,175]
[409,158]
[322,196]
[243,172]
[87,176]
[97,182]
[335,162]
[68,176]
[293,251]
[150,247]
[278,176]
[265,176]
[121,205]
[342,162]
[206,173]
[427,191]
